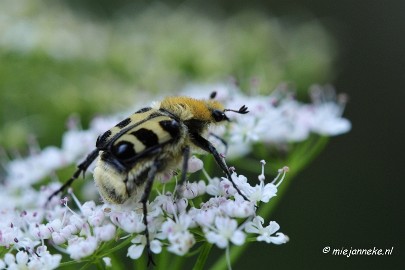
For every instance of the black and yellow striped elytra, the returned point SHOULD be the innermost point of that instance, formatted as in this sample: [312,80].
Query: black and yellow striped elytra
[150,142]
[130,149]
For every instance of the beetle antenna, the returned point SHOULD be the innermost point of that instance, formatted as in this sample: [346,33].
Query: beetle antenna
[242,110]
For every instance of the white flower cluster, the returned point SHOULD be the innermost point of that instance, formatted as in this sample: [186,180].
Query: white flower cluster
[277,118]
[225,218]
[171,222]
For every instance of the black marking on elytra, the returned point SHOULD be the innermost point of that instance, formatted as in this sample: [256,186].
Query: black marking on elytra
[169,114]
[123,150]
[101,140]
[155,114]
[108,143]
[144,110]
[124,123]
[171,126]
[146,136]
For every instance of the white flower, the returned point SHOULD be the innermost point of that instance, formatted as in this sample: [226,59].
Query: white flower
[327,111]
[78,223]
[191,190]
[139,243]
[327,120]
[54,225]
[9,230]
[105,233]
[107,261]
[12,263]
[238,208]
[129,221]
[203,217]
[77,143]
[225,231]
[262,192]
[9,259]
[220,187]
[171,227]
[247,130]
[21,258]
[180,239]
[88,208]
[266,233]
[44,260]
[194,164]
[80,247]
[171,206]
[181,242]
[38,260]
[59,238]
[97,217]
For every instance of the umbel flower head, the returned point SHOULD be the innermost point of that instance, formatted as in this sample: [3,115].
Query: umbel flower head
[81,230]
[180,218]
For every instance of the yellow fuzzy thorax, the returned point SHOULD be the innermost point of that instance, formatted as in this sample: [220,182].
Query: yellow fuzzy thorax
[189,108]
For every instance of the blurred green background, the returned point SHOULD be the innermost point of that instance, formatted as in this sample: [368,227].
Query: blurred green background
[94,57]
[90,57]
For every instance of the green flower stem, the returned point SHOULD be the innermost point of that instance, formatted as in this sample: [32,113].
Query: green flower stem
[163,260]
[68,263]
[301,157]
[141,263]
[117,262]
[123,244]
[87,265]
[202,258]
[177,262]
[100,265]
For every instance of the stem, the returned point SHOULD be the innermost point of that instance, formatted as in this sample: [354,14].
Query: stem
[119,246]
[117,263]
[140,263]
[163,260]
[202,258]
[64,264]
[177,263]
[99,265]
[234,253]
[302,156]
[87,265]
